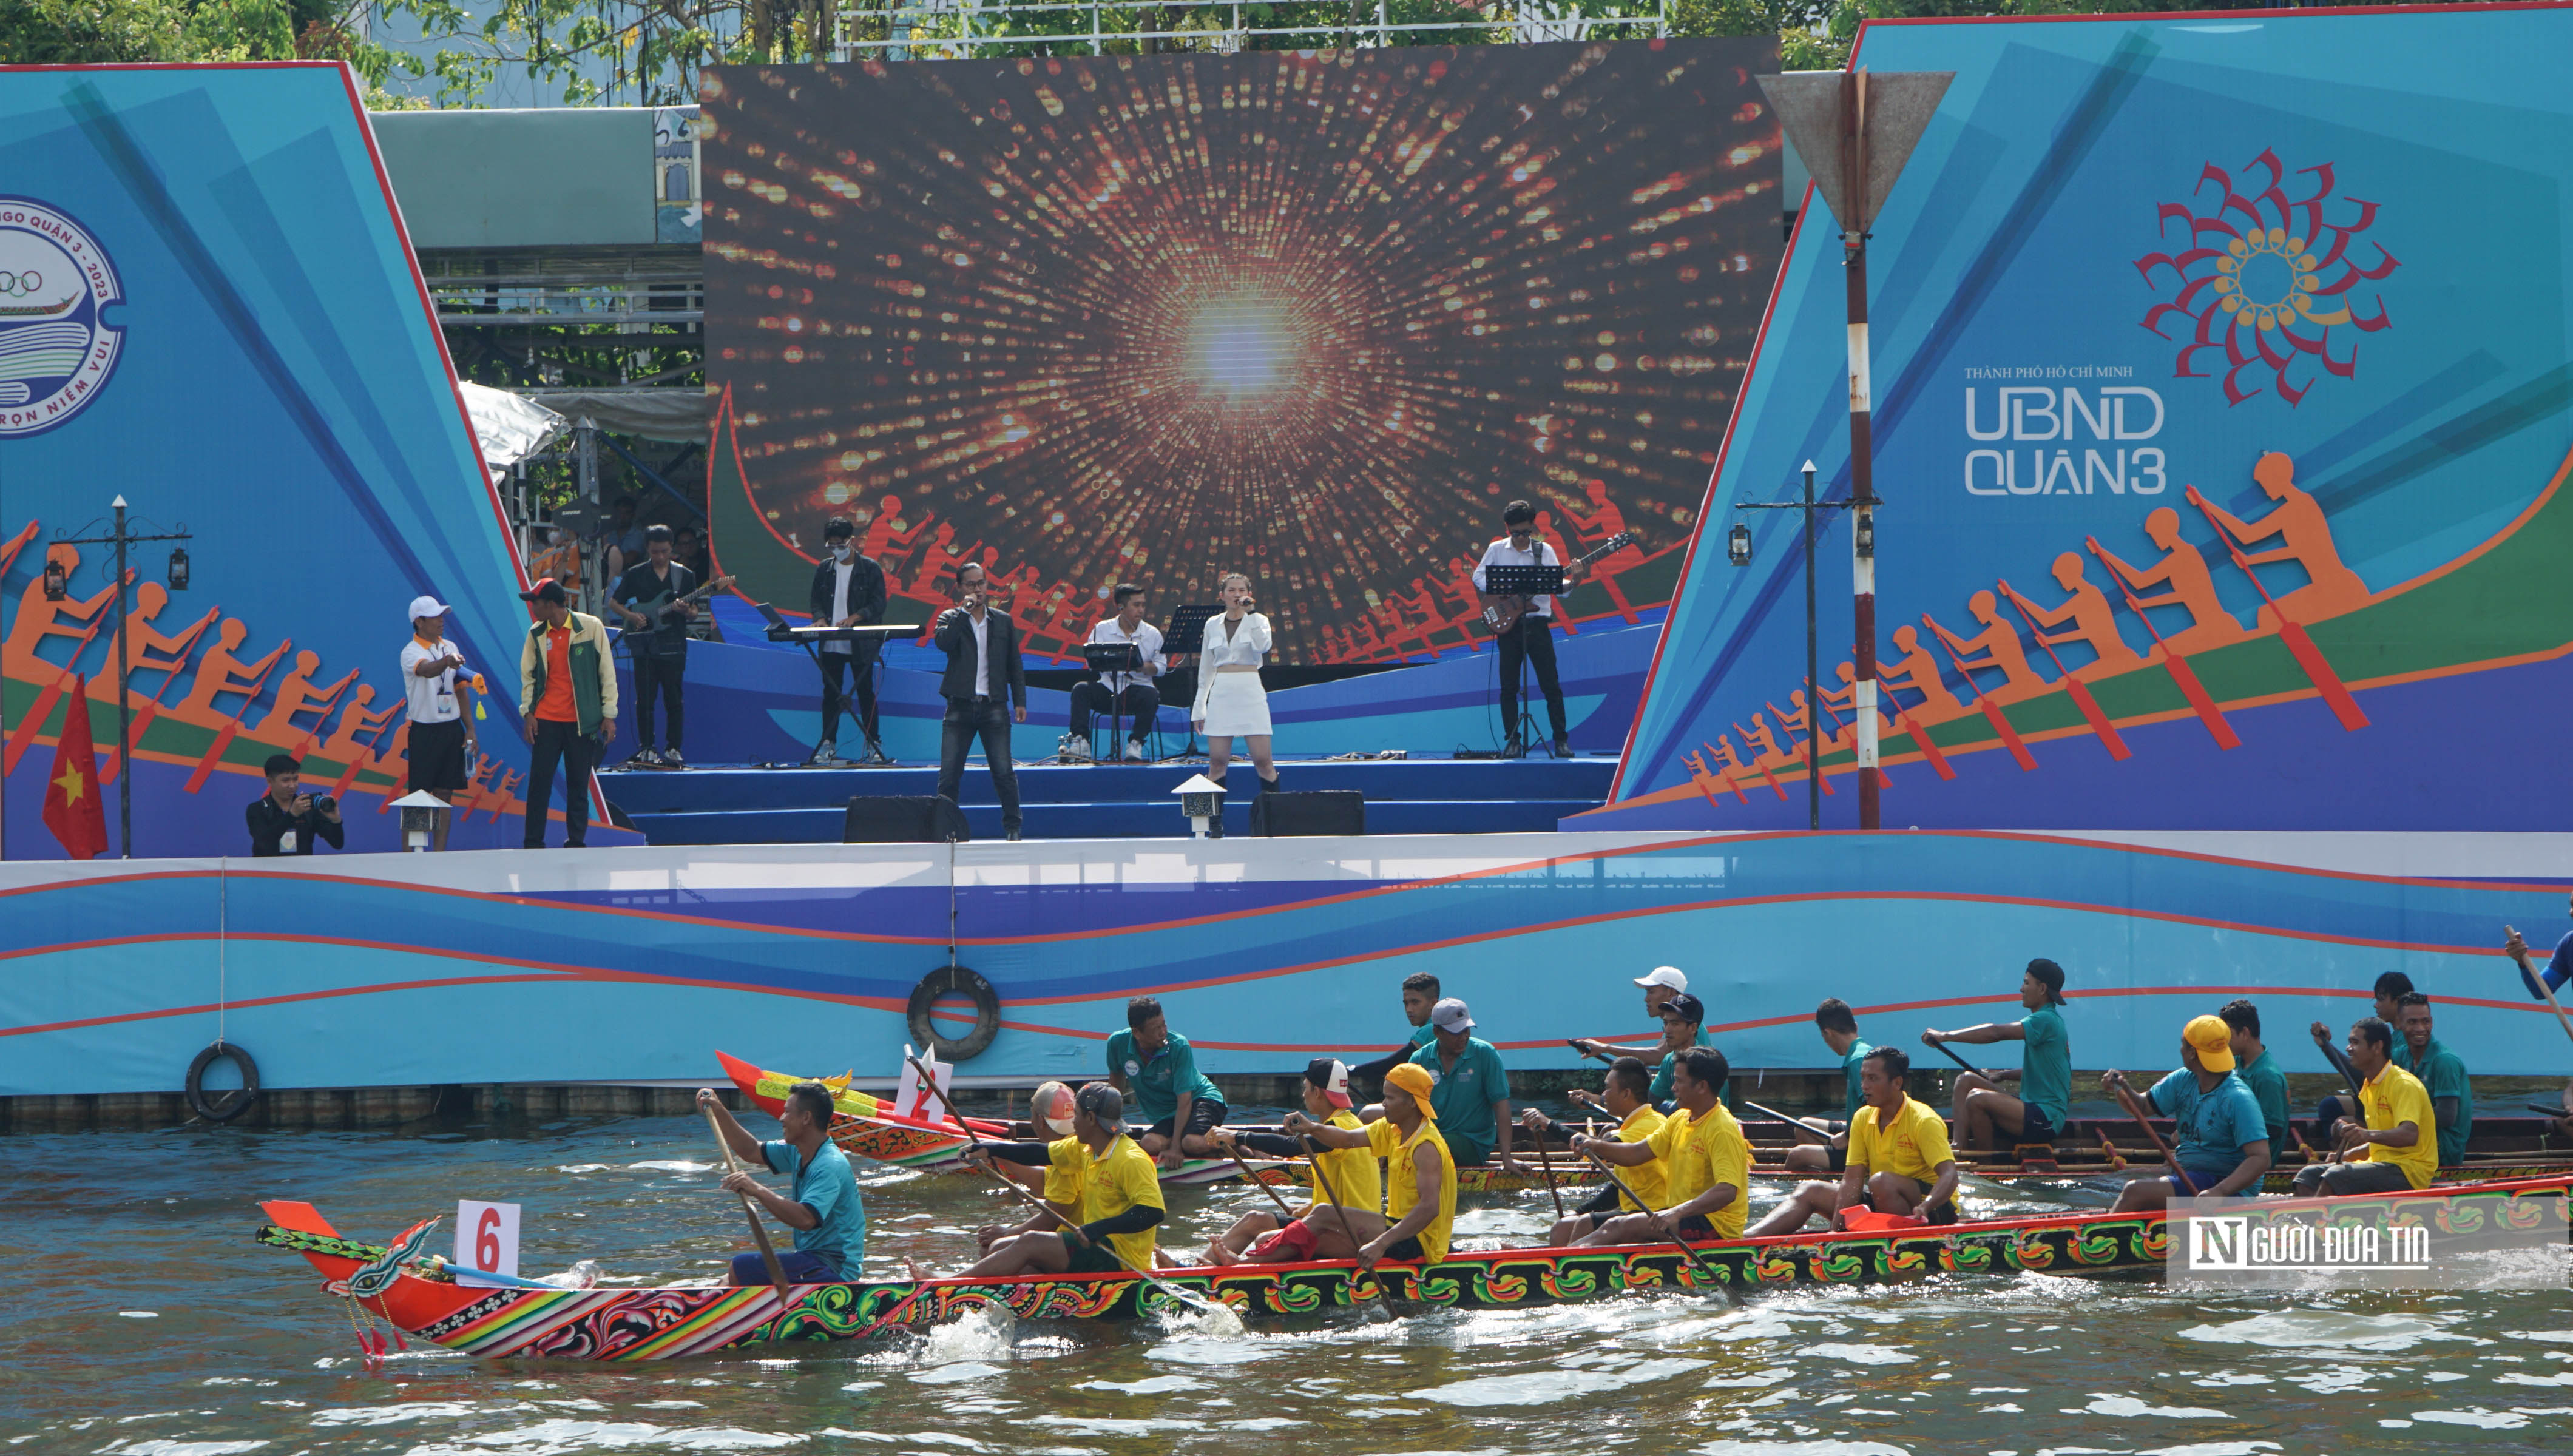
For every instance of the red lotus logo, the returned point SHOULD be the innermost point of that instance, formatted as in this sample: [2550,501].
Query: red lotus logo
[2266,277]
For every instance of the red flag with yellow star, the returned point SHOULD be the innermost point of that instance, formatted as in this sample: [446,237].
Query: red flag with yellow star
[72,808]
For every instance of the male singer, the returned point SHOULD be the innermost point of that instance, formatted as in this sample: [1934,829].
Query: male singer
[984,681]
[1533,639]
[848,591]
[1130,693]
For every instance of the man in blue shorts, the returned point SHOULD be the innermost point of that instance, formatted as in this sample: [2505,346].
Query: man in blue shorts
[823,1208]
[2045,1076]
[2224,1146]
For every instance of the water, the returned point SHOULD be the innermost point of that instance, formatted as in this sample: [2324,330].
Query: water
[140,1320]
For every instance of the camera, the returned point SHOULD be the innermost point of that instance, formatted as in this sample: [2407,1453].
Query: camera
[324,803]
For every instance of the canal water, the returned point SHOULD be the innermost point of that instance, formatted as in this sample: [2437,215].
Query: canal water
[137,1318]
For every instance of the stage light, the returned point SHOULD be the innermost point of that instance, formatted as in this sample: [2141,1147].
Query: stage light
[1737,545]
[57,581]
[178,568]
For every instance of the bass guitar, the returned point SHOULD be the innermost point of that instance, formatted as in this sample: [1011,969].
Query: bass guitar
[668,603]
[1503,609]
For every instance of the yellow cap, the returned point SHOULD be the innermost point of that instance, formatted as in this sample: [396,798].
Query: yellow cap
[2213,1041]
[1412,1078]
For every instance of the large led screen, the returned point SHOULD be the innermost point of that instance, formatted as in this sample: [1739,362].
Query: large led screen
[1312,316]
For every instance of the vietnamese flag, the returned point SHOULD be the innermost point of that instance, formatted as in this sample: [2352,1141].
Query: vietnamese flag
[72,808]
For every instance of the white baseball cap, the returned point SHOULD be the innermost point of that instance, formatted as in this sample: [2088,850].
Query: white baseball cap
[1450,1016]
[425,606]
[1670,976]
[1050,1109]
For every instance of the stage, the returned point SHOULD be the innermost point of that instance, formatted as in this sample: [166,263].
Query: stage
[715,806]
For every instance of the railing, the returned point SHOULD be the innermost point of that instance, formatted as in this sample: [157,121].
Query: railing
[942,30]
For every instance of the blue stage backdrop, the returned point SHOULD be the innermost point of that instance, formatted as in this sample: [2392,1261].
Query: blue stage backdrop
[2260,323]
[209,307]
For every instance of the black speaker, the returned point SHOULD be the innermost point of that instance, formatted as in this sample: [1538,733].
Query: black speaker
[902,819]
[1334,811]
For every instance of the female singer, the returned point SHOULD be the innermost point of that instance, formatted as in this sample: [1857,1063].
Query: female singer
[1231,700]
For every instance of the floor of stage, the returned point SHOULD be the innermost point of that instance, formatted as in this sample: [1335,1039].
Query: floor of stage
[750,804]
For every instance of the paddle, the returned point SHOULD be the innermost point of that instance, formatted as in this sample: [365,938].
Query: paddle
[2136,1110]
[2518,949]
[1041,1206]
[1960,1061]
[758,1230]
[1284,1213]
[1545,1164]
[1323,1180]
[1814,1128]
[1713,1282]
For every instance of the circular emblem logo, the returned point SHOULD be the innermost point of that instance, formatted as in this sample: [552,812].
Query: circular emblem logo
[1133,1068]
[57,349]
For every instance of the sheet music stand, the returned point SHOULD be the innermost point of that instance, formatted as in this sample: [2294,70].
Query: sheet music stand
[1186,632]
[1527,581]
[1105,658]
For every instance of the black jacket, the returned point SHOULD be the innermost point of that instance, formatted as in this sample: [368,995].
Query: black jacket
[956,638]
[866,591]
[268,822]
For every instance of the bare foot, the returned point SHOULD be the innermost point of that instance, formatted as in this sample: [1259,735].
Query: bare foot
[913,1266]
[1216,1253]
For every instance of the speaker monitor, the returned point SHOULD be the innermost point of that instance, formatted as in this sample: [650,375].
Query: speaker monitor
[1335,811]
[902,819]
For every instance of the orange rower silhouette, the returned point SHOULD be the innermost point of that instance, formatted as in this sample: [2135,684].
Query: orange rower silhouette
[2184,571]
[2095,622]
[2304,537]
[2002,649]
[220,674]
[1917,671]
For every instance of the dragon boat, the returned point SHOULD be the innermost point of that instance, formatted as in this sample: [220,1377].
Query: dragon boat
[867,1126]
[423,1297]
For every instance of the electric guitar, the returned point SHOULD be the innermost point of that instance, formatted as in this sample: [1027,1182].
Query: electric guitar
[668,603]
[1502,610]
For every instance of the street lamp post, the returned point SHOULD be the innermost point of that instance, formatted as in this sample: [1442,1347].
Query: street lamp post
[1855,130]
[57,587]
[1741,554]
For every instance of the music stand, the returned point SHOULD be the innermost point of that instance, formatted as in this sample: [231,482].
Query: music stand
[1105,658]
[1187,633]
[1528,582]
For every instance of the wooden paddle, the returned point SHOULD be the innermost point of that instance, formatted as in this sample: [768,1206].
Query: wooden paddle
[1713,1282]
[1545,1164]
[758,1230]
[2136,1110]
[1960,1061]
[2518,951]
[1814,1128]
[1041,1206]
[1284,1215]
[1323,1180]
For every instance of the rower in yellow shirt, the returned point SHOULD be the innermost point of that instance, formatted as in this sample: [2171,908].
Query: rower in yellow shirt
[1706,1161]
[1637,1120]
[1899,1160]
[1420,1175]
[2398,1148]
[1323,1229]
[1097,1179]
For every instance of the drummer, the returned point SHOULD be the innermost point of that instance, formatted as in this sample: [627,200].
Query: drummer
[824,1208]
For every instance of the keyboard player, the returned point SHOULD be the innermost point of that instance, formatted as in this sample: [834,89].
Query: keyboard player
[848,591]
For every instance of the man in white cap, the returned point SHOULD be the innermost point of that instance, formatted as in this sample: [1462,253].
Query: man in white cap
[1663,983]
[438,688]
[1347,1197]
[1470,1090]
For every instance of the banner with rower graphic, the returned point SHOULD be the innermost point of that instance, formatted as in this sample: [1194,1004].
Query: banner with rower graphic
[2221,376]
[208,306]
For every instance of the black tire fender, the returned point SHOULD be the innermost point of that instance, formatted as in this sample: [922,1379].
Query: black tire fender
[987,1012]
[225,1106]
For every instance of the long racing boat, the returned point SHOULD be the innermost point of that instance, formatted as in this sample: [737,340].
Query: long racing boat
[424,1297]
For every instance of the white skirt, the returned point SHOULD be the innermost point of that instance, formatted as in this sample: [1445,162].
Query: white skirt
[1235,705]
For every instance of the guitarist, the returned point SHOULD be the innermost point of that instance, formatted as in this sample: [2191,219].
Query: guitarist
[1531,638]
[659,641]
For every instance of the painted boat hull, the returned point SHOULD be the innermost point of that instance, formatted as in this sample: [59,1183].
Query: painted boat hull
[670,1322]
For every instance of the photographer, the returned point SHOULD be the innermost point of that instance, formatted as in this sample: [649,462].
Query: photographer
[438,689]
[285,820]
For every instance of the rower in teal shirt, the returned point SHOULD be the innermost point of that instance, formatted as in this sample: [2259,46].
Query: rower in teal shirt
[1470,1090]
[1683,1020]
[1154,1065]
[824,1208]
[1419,994]
[2259,1071]
[1983,1111]
[2442,1076]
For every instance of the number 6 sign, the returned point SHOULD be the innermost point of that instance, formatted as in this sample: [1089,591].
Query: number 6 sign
[486,1238]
